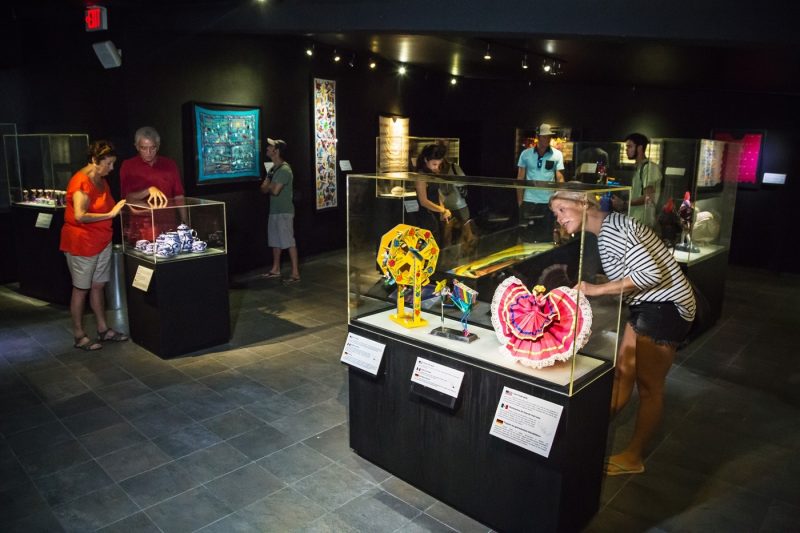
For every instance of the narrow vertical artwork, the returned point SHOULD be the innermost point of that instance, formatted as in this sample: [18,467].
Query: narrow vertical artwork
[325,142]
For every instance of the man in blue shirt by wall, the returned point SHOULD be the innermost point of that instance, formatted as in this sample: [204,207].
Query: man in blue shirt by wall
[542,163]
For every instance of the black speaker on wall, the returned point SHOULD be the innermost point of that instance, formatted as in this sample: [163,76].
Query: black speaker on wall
[108,54]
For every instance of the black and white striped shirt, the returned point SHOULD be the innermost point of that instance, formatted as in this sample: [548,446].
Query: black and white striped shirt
[629,249]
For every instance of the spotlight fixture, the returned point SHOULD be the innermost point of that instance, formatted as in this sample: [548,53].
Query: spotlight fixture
[525,62]
[453,80]
[372,64]
[310,50]
[336,56]
[352,62]
[488,54]
[547,66]
[402,69]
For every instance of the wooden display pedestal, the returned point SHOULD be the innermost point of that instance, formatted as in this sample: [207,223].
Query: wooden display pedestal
[185,308]
[41,267]
[447,451]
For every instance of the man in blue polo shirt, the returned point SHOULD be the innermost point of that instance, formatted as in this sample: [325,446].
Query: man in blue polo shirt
[542,163]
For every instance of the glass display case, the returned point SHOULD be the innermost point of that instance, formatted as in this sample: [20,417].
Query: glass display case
[184,229]
[39,166]
[10,130]
[397,269]
[698,196]
[399,154]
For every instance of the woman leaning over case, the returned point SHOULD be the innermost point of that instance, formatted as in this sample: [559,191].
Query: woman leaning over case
[661,305]
[86,242]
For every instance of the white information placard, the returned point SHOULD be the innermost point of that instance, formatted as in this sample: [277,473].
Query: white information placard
[43,220]
[588,168]
[527,421]
[437,377]
[773,178]
[412,206]
[362,353]
[344,165]
[141,280]
[675,171]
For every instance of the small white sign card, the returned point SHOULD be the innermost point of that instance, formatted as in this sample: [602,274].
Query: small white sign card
[363,353]
[412,206]
[588,168]
[675,171]
[437,377]
[141,280]
[43,220]
[344,165]
[527,421]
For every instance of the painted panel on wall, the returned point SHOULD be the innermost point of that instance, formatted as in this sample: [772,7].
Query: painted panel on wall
[227,143]
[325,142]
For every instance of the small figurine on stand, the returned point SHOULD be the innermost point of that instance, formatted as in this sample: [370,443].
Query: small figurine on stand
[669,224]
[686,213]
[463,299]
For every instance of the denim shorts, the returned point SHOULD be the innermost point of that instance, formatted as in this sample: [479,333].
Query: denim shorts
[660,321]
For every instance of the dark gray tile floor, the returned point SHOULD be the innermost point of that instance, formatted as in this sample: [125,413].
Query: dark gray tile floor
[252,436]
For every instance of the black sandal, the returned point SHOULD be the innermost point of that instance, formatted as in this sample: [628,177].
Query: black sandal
[110,335]
[88,346]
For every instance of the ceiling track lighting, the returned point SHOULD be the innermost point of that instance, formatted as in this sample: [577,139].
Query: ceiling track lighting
[372,64]
[310,50]
[336,56]
[488,54]
[402,69]
[525,62]
[352,62]
[453,80]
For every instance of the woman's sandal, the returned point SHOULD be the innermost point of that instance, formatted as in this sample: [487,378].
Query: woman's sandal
[271,275]
[291,281]
[88,346]
[110,335]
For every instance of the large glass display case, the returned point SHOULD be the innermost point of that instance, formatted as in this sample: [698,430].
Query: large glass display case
[39,166]
[399,154]
[437,370]
[187,228]
[483,264]
[700,180]
[10,130]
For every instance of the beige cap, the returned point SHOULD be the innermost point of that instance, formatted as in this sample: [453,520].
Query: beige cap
[546,129]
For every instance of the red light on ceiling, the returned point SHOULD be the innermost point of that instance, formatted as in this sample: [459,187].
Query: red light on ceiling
[95,18]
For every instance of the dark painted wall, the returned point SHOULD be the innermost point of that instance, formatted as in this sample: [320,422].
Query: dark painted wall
[59,86]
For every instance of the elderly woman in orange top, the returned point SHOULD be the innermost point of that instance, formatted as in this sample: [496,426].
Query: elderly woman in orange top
[86,243]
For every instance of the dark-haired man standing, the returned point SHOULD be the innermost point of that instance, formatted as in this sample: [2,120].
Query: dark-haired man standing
[646,182]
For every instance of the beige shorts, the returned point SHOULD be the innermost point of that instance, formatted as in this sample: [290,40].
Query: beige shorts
[88,270]
[280,231]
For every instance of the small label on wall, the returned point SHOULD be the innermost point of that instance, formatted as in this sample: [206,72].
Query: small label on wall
[344,165]
[675,171]
[43,220]
[774,179]
[412,206]
[142,278]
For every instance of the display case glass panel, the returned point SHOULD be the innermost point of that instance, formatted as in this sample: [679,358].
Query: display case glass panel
[398,265]
[399,154]
[700,177]
[41,165]
[188,228]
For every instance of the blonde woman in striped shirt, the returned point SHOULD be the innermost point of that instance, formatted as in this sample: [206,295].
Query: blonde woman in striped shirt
[661,304]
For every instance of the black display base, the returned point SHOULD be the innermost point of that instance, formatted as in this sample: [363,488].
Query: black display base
[708,277]
[41,267]
[448,452]
[185,308]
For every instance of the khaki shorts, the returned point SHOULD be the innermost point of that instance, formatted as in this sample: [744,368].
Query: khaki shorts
[280,231]
[89,270]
